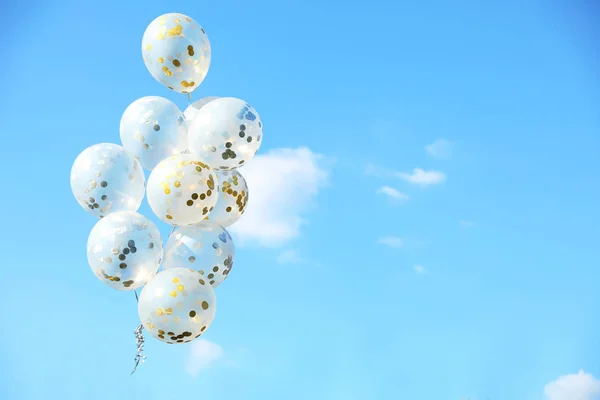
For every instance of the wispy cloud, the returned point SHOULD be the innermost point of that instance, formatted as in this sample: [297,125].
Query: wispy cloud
[289,257]
[419,269]
[390,241]
[422,178]
[441,148]
[284,185]
[203,354]
[580,386]
[392,193]
[465,224]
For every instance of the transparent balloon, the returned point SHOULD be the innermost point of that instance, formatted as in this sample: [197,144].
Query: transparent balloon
[177,306]
[152,129]
[232,200]
[191,111]
[182,190]
[225,133]
[205,247]
[176,51]
[106,178]
[124,250]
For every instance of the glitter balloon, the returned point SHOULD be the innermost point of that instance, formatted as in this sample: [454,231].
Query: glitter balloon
[177,306]
[225,133]
[205,247]
[106,178]
[182,190]
[191,111]
[232,200]
[176,52]
[124,250]
[153,128]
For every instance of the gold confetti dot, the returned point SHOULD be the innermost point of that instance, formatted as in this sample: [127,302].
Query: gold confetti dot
[173,294]
[160,312]
[168,216]
[167,191]
[168,311]
[176,63]
[180,288]
[205,305]
[175,280]
[161,60]
[167,71]
[177,184]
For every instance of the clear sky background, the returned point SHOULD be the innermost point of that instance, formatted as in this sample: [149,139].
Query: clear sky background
[437,167]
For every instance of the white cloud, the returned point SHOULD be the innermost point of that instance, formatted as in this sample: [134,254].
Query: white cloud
[441,148]
[580,386]
[289,257]
[282,184]
[392,193]
[203,354]
[422,177]
[419,269]
[391,241]
[464,224]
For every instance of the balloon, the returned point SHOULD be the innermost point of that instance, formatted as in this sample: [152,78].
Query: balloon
[153,128]
[205,247]
[124,250]
[177,306]
[232,200]
[225,133]
[106,178]
[182,190]
[176,52]
[191,111]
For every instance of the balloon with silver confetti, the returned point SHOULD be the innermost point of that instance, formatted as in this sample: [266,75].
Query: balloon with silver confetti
[226,133]
[191,111]
[205,247]
[176,51]
[153,128]
[177,306]
[182,190]
[106,178]
[124,250]
[232,200]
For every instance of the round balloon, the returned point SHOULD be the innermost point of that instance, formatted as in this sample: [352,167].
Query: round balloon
[176,52]
[153,128]
[177,306]
[205,247]
[232,199]
[106,178]
[191,111]
[225,133]
[124,250]
[182,190]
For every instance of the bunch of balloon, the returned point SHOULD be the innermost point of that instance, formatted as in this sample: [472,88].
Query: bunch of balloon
[194,185]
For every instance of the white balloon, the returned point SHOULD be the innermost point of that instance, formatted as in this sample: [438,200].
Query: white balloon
[205,247]
[176,52]
[106,178]
[225,133]
[191,111]
[182,190]
[153,128]
[177,306]
[232,200]
[124,250]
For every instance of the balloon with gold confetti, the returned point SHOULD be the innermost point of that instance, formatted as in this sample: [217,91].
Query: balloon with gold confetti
[182,190]
[106,178]
[232,200]
[124,250]
[191,111]
[176,51]
[153,128]
[226,133]
[177,306]
[205,247]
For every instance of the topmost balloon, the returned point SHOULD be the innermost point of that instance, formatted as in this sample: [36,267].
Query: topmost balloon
[176,51]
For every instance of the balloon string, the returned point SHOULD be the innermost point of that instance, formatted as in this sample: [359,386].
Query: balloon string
[139,339]
[189,95]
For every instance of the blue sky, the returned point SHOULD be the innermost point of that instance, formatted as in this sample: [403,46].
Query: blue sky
[433,233]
